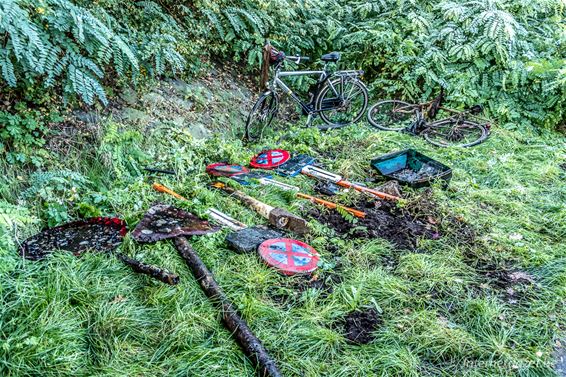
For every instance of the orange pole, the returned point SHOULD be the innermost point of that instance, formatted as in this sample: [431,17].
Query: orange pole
[159,187]
[359,188]
[332,205]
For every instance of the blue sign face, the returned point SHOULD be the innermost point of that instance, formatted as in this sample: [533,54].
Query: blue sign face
[289,256]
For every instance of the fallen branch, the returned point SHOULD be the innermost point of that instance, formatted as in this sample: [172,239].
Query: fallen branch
[238,327]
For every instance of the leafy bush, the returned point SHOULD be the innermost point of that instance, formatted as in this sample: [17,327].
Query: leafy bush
[21,132]
[505,54]
[483,51]
[12,218]
[57,40]
[508,55]
[63,194]
[121,151]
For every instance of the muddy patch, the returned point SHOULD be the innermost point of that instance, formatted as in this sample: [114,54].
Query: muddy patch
[515,285]
[418,218]
[290,291]
[359,326]
[512,284]
[384,220]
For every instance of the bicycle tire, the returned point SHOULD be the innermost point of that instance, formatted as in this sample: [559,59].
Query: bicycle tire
[319,102]
[395,115]
[261,116]
[455,133]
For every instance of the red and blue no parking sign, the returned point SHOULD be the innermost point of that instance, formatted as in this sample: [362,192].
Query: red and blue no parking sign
[221,169]
[289,256]
[270,159]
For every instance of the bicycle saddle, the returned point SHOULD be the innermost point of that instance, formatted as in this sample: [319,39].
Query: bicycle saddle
[332,57]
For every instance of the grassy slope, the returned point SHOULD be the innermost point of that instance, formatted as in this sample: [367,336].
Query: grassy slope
[71,316]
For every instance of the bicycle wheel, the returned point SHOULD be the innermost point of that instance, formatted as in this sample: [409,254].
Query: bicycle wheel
[392,115]
[341,102]
[451,133]
[261,115]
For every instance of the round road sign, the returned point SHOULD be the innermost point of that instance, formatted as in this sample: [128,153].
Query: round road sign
[289,256]
[270,159]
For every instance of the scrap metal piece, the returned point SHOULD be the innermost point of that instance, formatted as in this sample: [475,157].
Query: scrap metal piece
[247,240]
[99,234]
[164,221]
[294,166]
[223,219]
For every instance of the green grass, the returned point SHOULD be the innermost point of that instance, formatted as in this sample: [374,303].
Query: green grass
[93,316]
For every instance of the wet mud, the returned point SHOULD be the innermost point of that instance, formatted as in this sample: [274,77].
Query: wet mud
[384,220]
[99,234]
[358,327]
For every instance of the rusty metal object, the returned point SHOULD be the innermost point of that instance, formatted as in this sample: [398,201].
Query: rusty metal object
[164,221]
[98,234]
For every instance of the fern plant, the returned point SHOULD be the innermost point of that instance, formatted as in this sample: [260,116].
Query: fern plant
[63,44]
[480,51]
[59,40]
[57,192]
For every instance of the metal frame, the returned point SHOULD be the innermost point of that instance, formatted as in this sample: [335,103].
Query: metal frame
[324,76]
[278,83]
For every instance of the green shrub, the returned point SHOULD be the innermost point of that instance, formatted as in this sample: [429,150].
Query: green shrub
[21,134]
[69,46]
[62,195]
[482,52]
[507,55]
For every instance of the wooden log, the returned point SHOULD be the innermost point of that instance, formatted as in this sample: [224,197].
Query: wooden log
[278,217]
[234,323]
[150,270]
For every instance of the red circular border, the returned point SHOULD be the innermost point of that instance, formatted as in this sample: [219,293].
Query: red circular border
[267,154]
[265,252]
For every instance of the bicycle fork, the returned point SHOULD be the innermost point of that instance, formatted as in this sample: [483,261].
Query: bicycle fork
[310,119]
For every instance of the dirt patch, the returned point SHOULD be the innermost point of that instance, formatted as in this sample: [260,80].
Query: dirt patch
[418,218]
[384,220]
[359,326]
[515,285]
[290,291]
[511,283]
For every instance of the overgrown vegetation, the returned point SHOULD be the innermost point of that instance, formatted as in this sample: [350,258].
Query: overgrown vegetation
[506,55]
[486,297]
[450,306]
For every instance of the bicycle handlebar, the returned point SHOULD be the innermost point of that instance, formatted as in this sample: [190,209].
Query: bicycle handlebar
[298,59]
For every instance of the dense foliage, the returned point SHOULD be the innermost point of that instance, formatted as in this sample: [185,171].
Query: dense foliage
[508,55]
[485,298]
